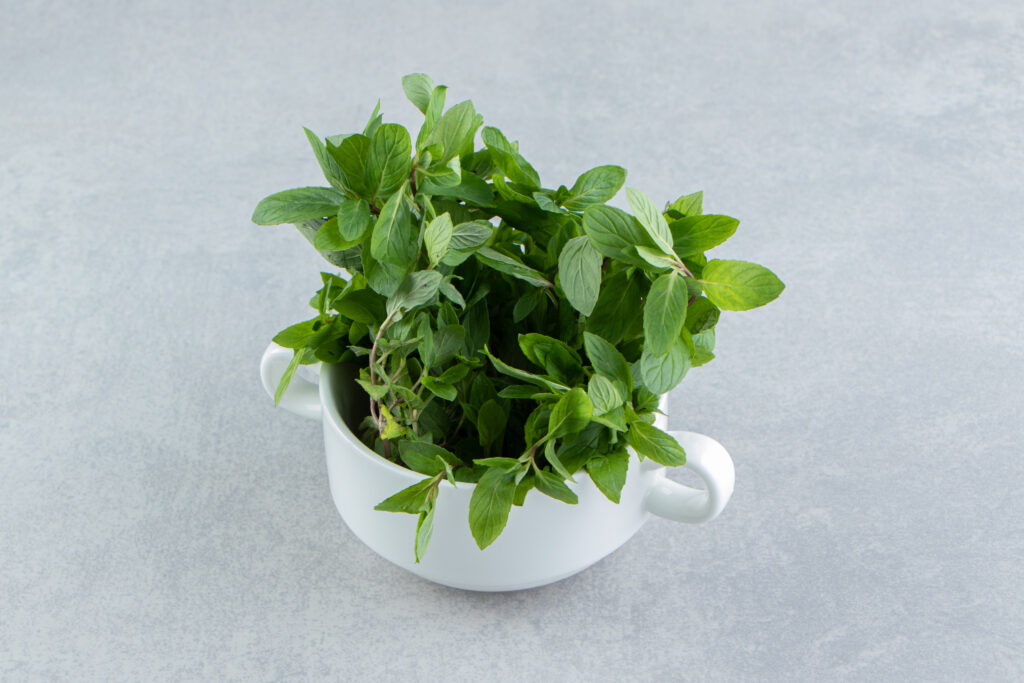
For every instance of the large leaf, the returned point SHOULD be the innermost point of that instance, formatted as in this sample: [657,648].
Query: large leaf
[394,238]
[510,266]
[389,161]
[452,130]
[615,233]
[570,414]
[418,88]
[651,218]
[295,206]
[618,307]
[596,186]
[609,363]
[739,285]
[650,442]
[437,236]
[416,289]
[490,504]
[608,473]
[661,373]
[579,272]
[665,312]
[696,234]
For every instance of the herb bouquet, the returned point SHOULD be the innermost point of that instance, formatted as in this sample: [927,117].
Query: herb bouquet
[507,334]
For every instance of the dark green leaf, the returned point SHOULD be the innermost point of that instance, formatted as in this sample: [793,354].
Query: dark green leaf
[608,472]
[701,315]
[550,485]
[490,504]
[506,157]
[295,206]
[347,230]
[414,499]
[423,457]
[439,388]
[570,414]
[416,289]
[490,422]
[579,271]
[352,155]
[608,362]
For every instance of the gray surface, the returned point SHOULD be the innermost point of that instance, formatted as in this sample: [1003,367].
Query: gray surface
[160,521]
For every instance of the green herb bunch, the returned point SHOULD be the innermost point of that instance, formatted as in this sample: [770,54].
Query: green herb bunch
[508,334]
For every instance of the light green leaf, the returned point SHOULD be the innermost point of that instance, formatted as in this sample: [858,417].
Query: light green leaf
[490,504]
[579,272]
[453,129]
[389,161]
[506,369]
[739,285]
[424,530]
[437,236]
[689,204]
[509,266]
[296,336]
[295,206]
[352,155]
[609,363]
[433,113]
[570,414]
[656,258]
[298,356]
[452,294]
[664,312]
[696,234]
[439,388]
[652,219]
[332,172]
[395,238]
[418,88]
[603,394]
[608,472]
[661,373]
[347,230]
[596,186]
[506,157]
[425,458]
[650,442]
[413,499]
[416,289]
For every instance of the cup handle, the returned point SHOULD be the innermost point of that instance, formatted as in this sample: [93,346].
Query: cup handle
[302,397]
[712,463]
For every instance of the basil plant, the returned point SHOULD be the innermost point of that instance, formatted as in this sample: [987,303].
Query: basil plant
[507,334]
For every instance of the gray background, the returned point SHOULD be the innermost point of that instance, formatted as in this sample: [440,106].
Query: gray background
[160,521]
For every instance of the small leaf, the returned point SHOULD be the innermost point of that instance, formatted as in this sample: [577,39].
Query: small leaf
[579,272]
[332,172]
[453,129]
[551,455]
[603,395]
[661,373]
[347,230]
[490,504]
[650,442]
[615,233]
[452,294]
[739,285]
[413,499]
[596,186]
[415,290]
[689,204]
[696,234]
[389,160]
[425,458]
[490,422]
[608,362]
[550,485]
[437,236]
[297,357]
[701,315]
[295,206]
[424,530]
[664,312]
[608,472]
[439,388]
[296,336]
[395,239]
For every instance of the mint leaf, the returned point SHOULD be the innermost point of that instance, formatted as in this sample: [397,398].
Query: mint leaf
[689,204]
[352,155]
[603,395]
[424,530]
[550,485]
[332,172]
[348,229]
[295,206]
[664,312]
[509,266]
[596,186]
[389,161]
[652,219]
[437,236]
[418,88]
[394,237]
[439,388]
[570,414]
[615,233]
[579,271]
[413,499]
[609,363]
[490,504]
[491,422]
[661,373]
[608,472]
[739,285]
[650,442]
[456,127]
[416,289]
[696,234]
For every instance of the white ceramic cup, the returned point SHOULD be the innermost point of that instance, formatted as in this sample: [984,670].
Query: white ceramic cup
[545,540]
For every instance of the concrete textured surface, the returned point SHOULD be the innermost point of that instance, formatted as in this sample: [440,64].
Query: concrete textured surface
[160,521]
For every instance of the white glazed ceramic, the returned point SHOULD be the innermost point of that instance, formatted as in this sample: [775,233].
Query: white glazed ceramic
[545,540]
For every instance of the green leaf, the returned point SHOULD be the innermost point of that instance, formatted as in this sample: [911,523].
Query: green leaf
[608,472]
[608,362]
[650,442]
[490,422]
[664,312]
[615,233]
[392,427]
[389,161]
[424,530]
[656,258]
[423,457]
[490,504]
[701,315]
[661,373]
[437,236]
[383,278]
[417,288]
[689,204]
[452,294]
[296,336]
[652,219]
[455,373]
[395,238]
[352,155]
[579,272]
[618,309]
[453,129]
[466,239]
[433,113]
[557,358]
[509,266]
[550,485]
[298,356]
[596,186]
[418,88]
[439,388]
[347,230]
[295,206]
[704,346]
[696,234]
[374,121]
[506,157]
[332,172]
[570,414]
[603,394]
[503,464]
[413,499]
[525,304]
[739,285]
[506,369]
[546,203]
[471,189]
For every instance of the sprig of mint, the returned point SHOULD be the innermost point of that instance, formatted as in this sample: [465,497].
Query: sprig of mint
[508,334]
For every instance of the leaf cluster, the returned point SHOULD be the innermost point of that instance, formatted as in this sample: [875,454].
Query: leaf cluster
[508,334]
